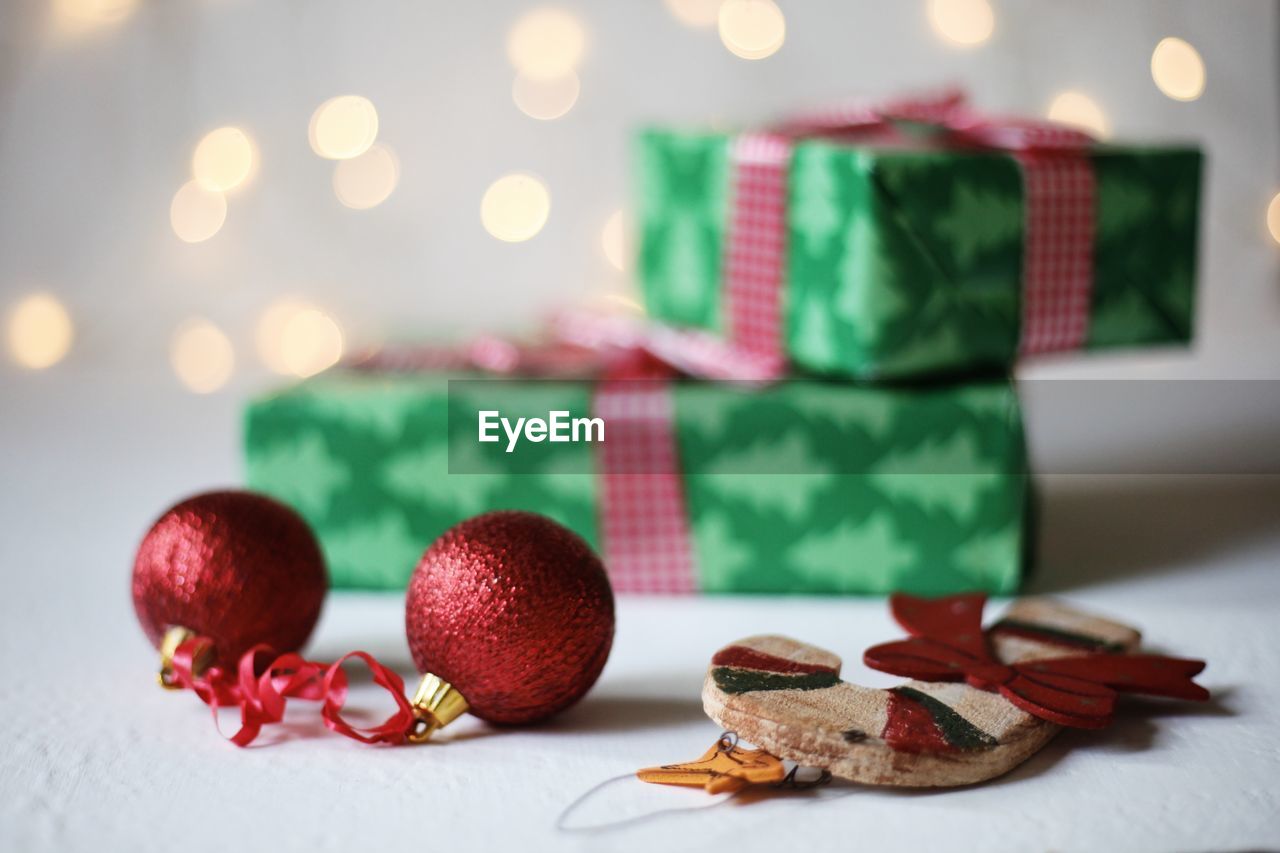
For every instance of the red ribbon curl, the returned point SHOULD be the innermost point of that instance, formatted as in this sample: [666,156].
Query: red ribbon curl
[263,682]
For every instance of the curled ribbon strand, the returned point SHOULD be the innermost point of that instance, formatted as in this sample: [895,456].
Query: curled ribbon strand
[263,682]
[394,730]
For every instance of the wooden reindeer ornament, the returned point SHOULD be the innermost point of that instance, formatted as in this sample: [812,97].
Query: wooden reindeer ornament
[982,702]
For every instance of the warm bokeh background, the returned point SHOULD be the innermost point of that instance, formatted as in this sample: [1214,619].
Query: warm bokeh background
[105,101]
[102,106]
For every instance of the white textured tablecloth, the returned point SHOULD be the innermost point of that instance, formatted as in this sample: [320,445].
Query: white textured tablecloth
[95,757]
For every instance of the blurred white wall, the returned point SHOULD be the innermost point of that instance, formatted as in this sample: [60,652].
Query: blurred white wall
[97,130]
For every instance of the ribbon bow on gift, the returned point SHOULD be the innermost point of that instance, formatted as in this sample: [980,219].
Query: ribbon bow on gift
[585,344]
[948,113]
[947,643]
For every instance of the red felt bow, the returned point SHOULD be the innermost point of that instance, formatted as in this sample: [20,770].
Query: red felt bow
[947,643]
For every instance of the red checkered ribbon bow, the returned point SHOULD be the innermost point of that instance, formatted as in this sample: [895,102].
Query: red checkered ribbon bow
[948,644]
[1059,202]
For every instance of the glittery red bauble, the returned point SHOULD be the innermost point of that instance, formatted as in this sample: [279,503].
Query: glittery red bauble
[236,567]
[513,610]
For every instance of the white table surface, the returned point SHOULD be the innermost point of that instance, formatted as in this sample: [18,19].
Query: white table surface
[94,756]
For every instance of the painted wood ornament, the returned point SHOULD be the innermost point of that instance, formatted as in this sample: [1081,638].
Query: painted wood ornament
[980,703]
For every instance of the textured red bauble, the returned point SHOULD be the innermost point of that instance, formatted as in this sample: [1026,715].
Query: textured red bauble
[236,567]
[515,611]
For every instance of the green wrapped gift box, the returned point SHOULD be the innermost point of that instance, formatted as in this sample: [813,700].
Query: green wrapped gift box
[803,487]
[909,261]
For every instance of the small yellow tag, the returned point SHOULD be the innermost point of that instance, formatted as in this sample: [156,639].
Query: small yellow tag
[724,768]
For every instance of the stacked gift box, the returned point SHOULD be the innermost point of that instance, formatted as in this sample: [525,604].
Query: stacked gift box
[886,267]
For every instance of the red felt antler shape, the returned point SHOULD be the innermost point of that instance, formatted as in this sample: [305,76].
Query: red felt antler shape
[947,643]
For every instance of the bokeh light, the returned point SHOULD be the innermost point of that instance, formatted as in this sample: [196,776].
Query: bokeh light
[366,181]
[270,328]
[546,43]
[1079,110]
[515,207]
[613,240]
[196,213]
[310,342]
[343,127]
[1273,217]
[202,356]
[73,16]
[545,99]
[40,331]
[223,159]
[695,13]
[752,29]
[296,338]
[962,22]
[1178,70]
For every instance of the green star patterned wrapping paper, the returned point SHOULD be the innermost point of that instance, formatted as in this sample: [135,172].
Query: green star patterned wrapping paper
[803,486]
[906,262]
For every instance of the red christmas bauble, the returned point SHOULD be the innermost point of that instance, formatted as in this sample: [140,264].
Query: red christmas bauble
[515,611]
[236,567]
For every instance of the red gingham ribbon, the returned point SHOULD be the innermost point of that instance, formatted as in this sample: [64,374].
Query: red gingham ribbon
[1057,284]
[644,523]
[1059,200]
[583,344]
[756,249]
[691,352]
[1059,191]
[859,115]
